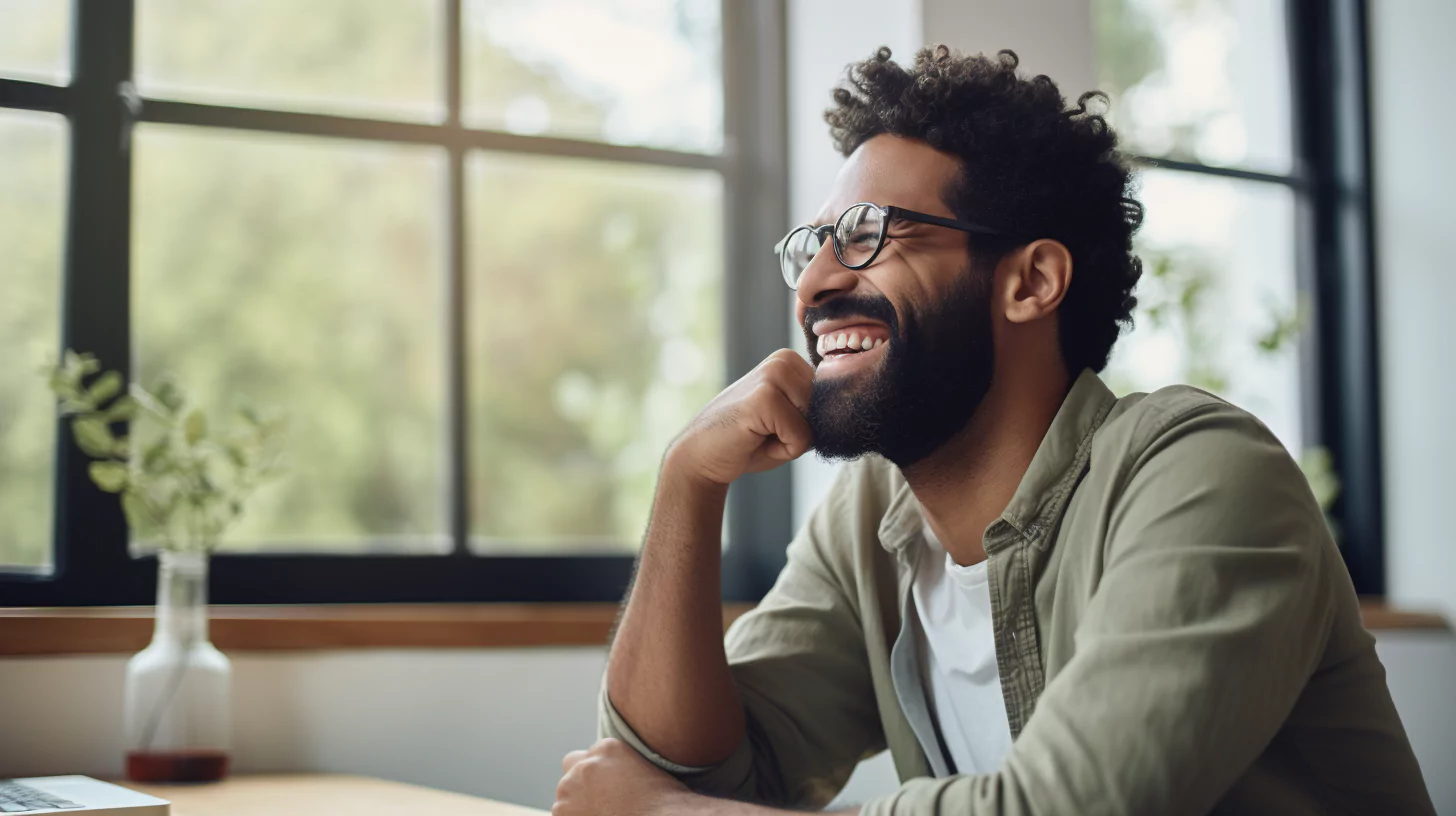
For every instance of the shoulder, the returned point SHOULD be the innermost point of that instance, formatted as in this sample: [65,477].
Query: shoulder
[1192,425]
[1196,468]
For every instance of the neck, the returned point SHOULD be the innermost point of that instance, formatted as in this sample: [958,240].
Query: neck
[966,483]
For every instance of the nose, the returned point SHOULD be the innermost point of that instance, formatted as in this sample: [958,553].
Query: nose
[824,278]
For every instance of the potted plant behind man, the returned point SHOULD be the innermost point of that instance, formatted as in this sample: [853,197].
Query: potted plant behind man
[182,484]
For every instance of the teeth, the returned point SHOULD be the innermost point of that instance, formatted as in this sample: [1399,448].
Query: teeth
[851,341]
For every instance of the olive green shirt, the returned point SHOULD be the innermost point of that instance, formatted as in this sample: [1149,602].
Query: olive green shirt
[1175,630]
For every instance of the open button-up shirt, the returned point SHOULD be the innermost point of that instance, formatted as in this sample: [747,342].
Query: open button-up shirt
[1175,631]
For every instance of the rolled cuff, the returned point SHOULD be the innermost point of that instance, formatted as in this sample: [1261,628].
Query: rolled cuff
[730,778]
[923,797]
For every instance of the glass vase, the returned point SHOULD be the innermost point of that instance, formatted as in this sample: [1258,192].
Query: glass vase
[178,704]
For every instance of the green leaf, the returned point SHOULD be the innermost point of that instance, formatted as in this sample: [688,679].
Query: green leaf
[168,394]
[106,386]
[109,476]
[237,454]
[138,518]
[123,410]
[195,426]
[154,458]
[250,415]
[62,385]
[93,437]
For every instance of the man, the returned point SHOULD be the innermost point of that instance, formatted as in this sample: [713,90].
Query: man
[1041,598]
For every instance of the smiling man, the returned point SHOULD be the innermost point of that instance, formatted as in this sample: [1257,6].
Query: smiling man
[1042,599]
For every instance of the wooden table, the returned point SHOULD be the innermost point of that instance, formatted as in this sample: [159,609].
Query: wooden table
[320,795]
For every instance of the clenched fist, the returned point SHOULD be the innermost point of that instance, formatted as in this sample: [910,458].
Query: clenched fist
[611,779]
[756,424]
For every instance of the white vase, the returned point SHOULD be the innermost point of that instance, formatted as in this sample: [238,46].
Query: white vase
[178,689]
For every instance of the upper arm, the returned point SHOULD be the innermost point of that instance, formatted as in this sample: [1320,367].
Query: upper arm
[1209,619]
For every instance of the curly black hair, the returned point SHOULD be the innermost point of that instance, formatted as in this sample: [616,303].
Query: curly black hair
[1032,167]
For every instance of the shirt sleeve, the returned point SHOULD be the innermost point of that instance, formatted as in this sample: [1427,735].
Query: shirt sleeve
[800,664]
[1210,617]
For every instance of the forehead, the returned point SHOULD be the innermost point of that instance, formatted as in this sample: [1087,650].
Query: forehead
[890,170]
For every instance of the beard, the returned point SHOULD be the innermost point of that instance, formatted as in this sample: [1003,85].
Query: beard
[935,373]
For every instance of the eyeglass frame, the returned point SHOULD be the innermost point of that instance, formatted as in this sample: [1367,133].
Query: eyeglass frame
[890,213]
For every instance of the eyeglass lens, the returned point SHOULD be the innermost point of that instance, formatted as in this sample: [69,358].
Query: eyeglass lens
[857,234]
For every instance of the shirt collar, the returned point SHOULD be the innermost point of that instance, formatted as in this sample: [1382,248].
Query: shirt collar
[1044,489]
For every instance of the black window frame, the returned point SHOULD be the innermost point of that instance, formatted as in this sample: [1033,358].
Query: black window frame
[1335,260]
[1336,265]
[92,564]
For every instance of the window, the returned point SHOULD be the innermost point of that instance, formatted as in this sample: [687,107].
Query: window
[485,263]
[33,178]
[1249,121]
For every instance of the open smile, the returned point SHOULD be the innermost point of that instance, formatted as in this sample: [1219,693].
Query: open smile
[848,347]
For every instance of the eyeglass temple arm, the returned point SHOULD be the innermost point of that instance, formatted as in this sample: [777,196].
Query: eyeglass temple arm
[924,218]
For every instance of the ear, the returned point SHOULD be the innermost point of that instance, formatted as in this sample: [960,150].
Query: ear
[1037,280]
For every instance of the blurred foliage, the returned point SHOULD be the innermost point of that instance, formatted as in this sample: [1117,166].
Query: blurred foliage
[1128,50]
[1172,298]
[310,274]
[182,481]
[1197,80]
[32,193]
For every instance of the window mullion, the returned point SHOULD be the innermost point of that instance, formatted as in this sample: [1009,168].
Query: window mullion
[91,554]
[755,118]
[1328,52]
[457,426]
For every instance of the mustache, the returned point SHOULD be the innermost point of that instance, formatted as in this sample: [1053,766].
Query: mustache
[874,307]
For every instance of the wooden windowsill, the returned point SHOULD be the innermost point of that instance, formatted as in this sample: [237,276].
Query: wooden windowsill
[113,630]
[126,629]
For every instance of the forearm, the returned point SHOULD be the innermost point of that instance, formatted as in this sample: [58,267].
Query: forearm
[668,673]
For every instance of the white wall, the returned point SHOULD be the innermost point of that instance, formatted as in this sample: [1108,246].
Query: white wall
[487,722]
[1413,69]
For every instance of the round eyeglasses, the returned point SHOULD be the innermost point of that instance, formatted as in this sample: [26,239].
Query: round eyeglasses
[858,236]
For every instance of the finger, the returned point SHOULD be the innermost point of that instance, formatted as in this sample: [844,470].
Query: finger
[792,376]
[788,432]
[569,761]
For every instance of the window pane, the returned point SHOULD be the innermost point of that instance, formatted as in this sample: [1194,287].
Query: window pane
[596,333]
[33,181]
[306,275]
[363,57]
[1218,305]
[1198,80]
[569,68]
[35,41]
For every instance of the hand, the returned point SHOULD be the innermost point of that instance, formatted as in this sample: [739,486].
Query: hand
[611,779]
[756,424]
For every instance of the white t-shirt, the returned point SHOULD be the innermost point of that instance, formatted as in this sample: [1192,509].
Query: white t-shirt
[957,650]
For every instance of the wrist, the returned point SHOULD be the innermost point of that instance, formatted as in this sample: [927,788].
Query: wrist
[679,474]
[681,803]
